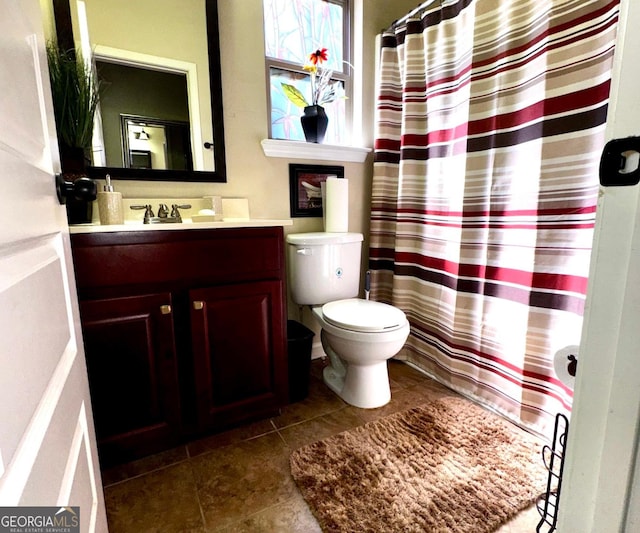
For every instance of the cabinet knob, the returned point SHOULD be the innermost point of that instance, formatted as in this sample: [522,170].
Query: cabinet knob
[198,305]
[165,309]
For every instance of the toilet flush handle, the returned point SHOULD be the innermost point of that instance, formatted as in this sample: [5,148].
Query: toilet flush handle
[303,251]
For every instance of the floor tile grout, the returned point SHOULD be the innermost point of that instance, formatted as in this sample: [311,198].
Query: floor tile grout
[310,418]
[283,440]
[151,471]
[198,498]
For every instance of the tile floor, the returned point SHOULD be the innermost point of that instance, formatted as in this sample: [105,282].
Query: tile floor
[239,481]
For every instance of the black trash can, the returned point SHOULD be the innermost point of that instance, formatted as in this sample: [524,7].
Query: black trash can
[299,341]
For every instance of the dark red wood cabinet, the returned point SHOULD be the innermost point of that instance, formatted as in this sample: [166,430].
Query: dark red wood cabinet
[233,343]
[131,359]
[184,333]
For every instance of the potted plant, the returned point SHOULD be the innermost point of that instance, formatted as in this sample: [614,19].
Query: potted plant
[74,89]
[314,121]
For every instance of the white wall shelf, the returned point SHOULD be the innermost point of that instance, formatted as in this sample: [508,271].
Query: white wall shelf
[321,152]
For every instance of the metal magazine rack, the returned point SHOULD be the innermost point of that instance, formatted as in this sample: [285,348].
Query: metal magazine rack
[553,458]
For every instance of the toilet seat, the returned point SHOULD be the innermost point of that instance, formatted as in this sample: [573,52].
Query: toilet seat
[367,316]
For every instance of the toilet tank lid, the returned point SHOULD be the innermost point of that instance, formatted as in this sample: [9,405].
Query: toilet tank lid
[320,238]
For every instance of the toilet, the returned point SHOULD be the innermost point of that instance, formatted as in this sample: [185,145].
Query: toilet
[357,335]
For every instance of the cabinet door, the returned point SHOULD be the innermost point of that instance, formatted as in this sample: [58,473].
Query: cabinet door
[131,359]
[239,352]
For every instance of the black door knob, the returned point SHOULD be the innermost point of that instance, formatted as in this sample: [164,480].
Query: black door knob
[81,189]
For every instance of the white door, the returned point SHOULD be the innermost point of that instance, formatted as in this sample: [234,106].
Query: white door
[600,493]
[48,453]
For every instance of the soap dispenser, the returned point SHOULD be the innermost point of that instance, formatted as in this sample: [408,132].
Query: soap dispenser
[110,205]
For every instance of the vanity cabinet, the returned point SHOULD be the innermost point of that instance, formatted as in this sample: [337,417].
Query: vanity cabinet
[184,332]
[233,345]
[131,360]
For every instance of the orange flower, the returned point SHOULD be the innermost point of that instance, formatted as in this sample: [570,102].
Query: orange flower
[318,56]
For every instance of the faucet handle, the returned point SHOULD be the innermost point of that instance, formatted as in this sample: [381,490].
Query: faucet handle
[148,214]
[174,209]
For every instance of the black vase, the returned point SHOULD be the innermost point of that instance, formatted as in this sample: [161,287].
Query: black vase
[314,123]
[73,161]
[79,211]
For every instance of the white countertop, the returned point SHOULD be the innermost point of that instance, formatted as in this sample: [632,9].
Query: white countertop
[186,224]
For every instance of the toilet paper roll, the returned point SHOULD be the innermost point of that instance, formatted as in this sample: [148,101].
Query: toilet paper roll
[561,364]
[323,194]
[336,206]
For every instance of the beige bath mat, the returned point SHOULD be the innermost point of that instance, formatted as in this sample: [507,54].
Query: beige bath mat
[448,466]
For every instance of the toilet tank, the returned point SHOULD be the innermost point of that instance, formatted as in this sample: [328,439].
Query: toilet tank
[323,267]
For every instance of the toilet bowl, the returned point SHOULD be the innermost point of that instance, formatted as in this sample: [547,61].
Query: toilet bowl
[359,336]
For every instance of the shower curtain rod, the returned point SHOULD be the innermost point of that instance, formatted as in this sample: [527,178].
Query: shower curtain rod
[421,7]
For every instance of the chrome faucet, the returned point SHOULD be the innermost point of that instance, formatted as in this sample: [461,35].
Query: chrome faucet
[163,213]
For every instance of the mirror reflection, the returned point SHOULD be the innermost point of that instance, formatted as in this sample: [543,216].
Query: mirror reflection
[142,110]
[160,62]
[155,144]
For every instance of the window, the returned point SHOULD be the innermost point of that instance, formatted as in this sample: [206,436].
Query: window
[293,30]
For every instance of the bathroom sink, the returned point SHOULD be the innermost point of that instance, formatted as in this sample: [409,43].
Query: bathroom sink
[236,213]
[186,224]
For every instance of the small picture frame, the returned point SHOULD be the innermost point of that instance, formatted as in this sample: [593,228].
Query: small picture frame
[305,188]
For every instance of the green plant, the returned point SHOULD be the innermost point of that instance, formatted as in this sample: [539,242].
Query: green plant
[75,96]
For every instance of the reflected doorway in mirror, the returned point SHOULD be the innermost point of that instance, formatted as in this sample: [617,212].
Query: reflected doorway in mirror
[166,143]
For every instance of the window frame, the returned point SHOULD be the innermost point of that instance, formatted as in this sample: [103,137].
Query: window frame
[346,76]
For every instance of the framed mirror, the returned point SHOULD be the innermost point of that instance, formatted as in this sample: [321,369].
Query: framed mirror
[122,41]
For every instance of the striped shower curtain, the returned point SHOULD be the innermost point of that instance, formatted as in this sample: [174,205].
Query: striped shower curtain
[490,124]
